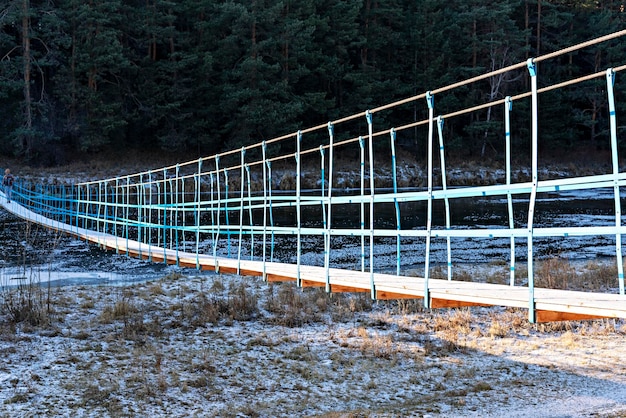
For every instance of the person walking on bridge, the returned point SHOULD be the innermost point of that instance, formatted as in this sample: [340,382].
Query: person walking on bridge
[7,182]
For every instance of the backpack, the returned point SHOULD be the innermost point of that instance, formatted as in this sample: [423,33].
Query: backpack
[8,180]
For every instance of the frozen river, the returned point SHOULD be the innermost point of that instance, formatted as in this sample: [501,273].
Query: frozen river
[28,251]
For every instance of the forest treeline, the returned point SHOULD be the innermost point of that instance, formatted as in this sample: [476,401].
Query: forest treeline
[203,75]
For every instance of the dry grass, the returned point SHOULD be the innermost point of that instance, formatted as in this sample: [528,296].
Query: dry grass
[175,338]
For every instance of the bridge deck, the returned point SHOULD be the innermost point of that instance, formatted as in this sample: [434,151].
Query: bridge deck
[550,304]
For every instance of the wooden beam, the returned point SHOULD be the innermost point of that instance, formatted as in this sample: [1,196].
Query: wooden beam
[244,272]
[278,278]
[551,316]
[186,264]
[347,289]
[445,303]
[311,283]
[383,295]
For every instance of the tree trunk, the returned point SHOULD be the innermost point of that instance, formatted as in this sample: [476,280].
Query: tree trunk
[28,109]
[538,52]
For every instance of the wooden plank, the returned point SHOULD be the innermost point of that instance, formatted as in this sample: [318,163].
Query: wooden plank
[273,278]
[446,303]
[347,289]
[310,283]
[552,316]
[384,295]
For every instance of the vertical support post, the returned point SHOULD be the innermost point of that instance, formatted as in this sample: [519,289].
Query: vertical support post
[444,186]
[242,185]
[212,210]
[127,213]
[370,129]
[430,101]
[87,205]
[508,107]
[298,208]
[163,204]
[218,225]
[251,219]
[115,213]
[264,152]
[323,174]
[140,202]
[532,69]
[148,203]
[78,216]
[198,212]
[175,211]
[226,211]
[394,169]
[327,240]
[101,221]
[271,209]
[610,82]
[362,146]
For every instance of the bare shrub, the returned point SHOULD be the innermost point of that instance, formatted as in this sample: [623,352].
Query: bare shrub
[27,302]
[410,306]
[123,307]
[452,325]
[237,302]
[554,273]
[379,346]
[243,304]
[462,276]
[204,309]
[499,329]
[287,305]
[597,277]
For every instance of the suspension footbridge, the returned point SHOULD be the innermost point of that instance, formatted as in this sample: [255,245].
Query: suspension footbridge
[232,213]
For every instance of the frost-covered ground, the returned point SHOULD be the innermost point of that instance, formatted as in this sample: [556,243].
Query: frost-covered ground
[228,346]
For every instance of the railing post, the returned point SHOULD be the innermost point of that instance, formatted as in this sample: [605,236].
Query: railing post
[394,169]
[248,181]
[532,69]
[115,214]
[264,154]
[430,101]
[446,200]
[198,184]
[140,202]
[327,240]
[323,191]
[211,201]
[271,209]
[127,210]
[610,81]
[362,147]
[78,216]
[226,211]
[370,130]
[175,212]
[508,107]
[182,193]
[162,201]
[298,207]
[148,191]
[241,205]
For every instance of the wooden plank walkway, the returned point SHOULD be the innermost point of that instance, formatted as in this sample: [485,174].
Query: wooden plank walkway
[550,304]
